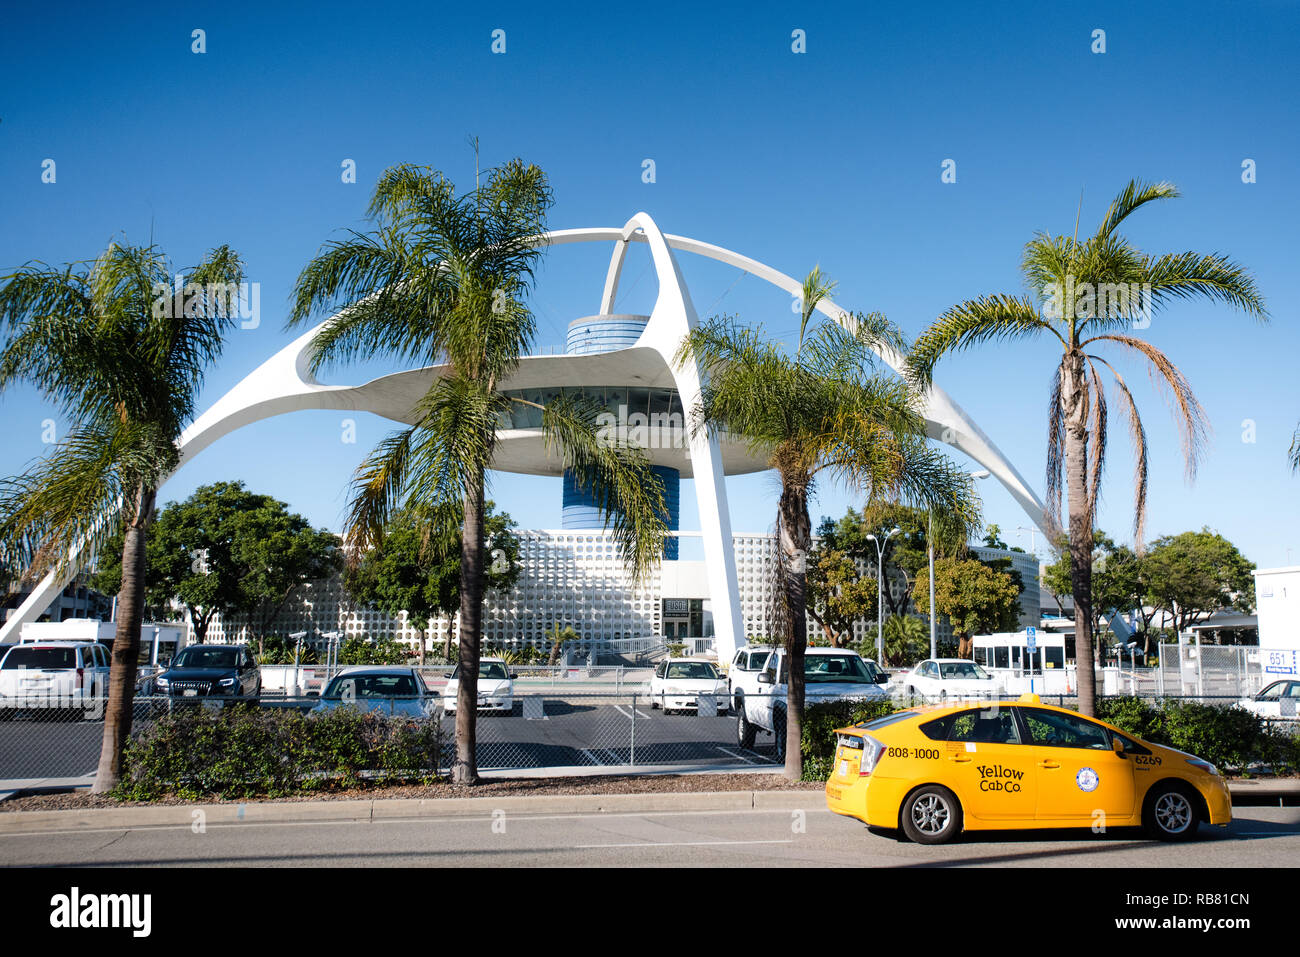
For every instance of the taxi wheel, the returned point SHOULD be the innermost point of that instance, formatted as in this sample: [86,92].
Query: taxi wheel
[1171,812]
[931,815]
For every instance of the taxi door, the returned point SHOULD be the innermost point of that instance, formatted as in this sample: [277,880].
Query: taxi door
[1080,779]
[988,766]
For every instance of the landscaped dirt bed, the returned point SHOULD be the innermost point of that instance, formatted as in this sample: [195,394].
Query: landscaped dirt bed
[522,787]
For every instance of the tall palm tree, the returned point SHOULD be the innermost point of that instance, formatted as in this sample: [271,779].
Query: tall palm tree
[1293,453]
[1087,294]
[442,281]
[124,357]
[823,412]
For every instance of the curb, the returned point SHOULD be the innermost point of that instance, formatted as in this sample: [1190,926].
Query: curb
[389,809]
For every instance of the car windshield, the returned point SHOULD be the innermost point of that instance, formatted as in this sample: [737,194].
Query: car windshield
[40,658]
[691,669]
[197,656]
[830,668]
[962,669]
[371,686]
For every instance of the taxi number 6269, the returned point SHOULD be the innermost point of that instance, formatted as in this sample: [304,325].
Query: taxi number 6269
[925,754]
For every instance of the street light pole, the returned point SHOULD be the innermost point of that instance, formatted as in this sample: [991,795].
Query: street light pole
[880,591]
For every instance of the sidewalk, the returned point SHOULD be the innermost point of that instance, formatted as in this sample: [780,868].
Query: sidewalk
[185,815]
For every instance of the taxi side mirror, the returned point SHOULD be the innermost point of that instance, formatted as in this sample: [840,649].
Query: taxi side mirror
[1117,746]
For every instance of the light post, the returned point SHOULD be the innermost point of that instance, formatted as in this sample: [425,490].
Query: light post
[880,591]
[1033,532]
[929,541]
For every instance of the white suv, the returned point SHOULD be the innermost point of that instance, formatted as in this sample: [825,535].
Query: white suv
[55,674]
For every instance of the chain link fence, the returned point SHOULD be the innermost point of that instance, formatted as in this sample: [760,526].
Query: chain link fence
[568,727]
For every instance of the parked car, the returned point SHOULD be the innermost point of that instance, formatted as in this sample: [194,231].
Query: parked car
[945,678]
[386,689]
[56,675]
[211,671]
[742,675]
[830,674]
[678,683]
[1279,700]
[936,771]
[496,687]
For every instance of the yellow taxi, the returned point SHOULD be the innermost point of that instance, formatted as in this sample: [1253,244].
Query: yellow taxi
[936,771]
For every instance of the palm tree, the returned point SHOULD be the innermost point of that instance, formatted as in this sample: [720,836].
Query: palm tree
[822,412]
[1086,294]
[124,358]
[1293,454]
[442,281]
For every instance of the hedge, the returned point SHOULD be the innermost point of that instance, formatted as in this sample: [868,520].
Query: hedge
[244,752]
[1230,738]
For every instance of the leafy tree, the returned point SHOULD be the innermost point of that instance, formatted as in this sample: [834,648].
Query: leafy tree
[1117,579]
[124,362]
[839,594]
[1195,574]
[442,281]
[228,551]
[415,568]
[821,412]
[1088,294]
[993,538]
[976,599]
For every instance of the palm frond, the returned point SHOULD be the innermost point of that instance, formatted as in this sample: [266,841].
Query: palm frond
[991,318]
[1132,198]
[629,495]
[1098,434]
[1138,435]
[816,287]
[1056,446]
[1187,275]
[1193,425]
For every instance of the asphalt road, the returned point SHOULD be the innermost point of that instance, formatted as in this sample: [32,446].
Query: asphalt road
[576,731]
[1259,837]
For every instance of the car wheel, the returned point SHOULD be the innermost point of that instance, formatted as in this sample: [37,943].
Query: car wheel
[1170,812]
[778,732]
[931,815]
[744,730]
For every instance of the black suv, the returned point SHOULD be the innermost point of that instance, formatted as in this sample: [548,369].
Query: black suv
[206,671]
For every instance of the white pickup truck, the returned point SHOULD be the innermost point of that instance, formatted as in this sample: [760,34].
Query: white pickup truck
[830,674]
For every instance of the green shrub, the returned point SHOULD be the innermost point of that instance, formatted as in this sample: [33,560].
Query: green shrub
[245,752]
[1134,716]
[1225,736]
[820,722]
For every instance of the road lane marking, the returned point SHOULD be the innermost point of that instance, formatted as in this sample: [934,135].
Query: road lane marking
[581,847]
[734,754]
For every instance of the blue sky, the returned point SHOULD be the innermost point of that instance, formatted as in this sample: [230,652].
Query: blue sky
[829,157]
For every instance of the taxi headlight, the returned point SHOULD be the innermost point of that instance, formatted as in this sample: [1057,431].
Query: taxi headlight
[1203,765]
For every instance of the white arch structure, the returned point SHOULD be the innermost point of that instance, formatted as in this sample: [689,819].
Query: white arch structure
[284,383]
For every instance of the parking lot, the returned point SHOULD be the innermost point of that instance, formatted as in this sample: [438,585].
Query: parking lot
[573,730]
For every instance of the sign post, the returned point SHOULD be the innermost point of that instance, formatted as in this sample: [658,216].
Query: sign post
[1031,639]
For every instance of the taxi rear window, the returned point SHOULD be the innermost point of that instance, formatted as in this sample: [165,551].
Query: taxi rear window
[885,721]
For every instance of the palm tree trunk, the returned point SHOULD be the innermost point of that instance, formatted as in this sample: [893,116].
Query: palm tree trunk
[1074,400]
[126,647]
[796,540]
[465,770]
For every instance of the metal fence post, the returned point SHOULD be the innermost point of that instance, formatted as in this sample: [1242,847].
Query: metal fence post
[631,751]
